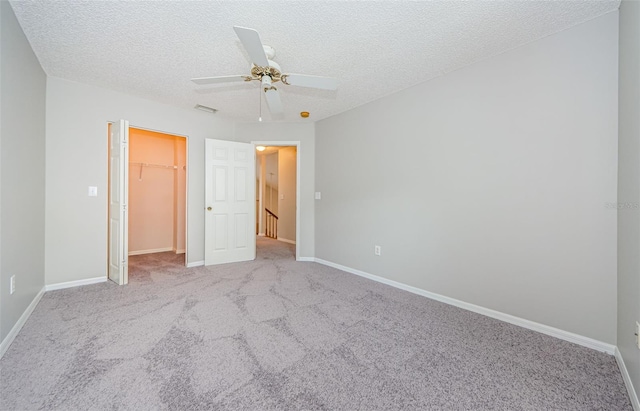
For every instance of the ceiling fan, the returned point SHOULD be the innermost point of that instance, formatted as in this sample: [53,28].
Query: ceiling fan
[267,71]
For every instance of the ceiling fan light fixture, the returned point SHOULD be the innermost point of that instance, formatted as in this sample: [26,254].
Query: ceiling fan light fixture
[205,108]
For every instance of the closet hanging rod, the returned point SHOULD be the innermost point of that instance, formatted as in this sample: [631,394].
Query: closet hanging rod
[153,165]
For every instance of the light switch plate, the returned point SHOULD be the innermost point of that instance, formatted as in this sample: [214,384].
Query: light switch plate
[318,195]
[93,191]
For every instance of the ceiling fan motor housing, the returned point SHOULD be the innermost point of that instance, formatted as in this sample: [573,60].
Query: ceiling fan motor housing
[273,71]
[269,51]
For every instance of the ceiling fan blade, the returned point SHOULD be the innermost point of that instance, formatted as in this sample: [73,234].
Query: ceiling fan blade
[271,95]
[218,79]
[304,80]
[250,39]
[273,101]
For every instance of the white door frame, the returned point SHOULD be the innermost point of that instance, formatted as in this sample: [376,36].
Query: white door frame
[186,201]
[295,144]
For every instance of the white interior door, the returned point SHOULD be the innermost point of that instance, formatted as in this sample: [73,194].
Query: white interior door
[230,216]
[118,215]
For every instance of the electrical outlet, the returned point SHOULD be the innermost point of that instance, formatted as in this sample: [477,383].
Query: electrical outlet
[638,334]
[377,250]
[12,284]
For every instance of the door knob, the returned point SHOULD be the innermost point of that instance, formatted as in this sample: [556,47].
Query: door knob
[209,208]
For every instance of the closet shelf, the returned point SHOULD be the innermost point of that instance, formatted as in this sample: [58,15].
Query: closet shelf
[142,165]
[154,165]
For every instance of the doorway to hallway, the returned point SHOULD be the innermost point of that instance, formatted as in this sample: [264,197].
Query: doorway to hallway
[277,196]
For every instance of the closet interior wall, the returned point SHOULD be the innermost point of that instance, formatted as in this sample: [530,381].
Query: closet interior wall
[157,192]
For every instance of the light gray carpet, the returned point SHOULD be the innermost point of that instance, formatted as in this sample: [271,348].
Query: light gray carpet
[278,334]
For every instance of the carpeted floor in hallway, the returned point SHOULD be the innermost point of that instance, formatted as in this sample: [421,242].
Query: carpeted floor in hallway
[276,334]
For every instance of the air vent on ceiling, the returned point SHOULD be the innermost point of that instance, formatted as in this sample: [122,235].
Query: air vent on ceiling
[205,108]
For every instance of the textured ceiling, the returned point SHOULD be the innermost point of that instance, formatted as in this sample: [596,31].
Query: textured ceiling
[152,48]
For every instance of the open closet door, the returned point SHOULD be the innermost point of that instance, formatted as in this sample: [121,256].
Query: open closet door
[230,201]
[118,194]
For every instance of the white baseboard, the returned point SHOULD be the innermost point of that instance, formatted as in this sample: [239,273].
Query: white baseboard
[633,396]
[151,251]
[181,251]
[77,283]
[195,264]
[311,259]
[262,235]
[4,346]
[545,329]
[285,240]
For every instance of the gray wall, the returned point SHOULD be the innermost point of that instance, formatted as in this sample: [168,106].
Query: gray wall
[629,188]
[77,117]
[305,134]
[287,189]
[22,146]
[490,185]
[271,189]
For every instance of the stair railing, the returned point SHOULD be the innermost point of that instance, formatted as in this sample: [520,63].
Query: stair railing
[271,229]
